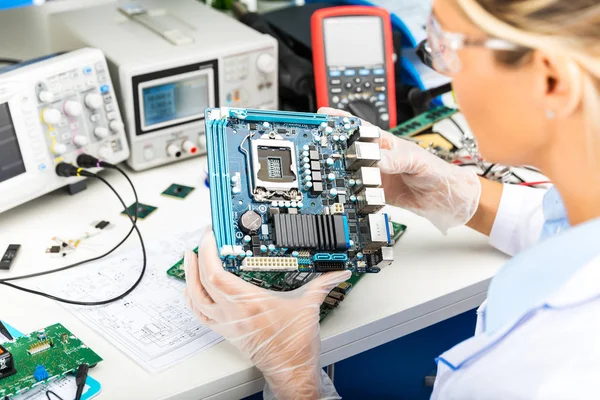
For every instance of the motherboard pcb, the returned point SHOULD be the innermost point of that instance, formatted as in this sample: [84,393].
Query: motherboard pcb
[286,281]
[43,355]
[295,192]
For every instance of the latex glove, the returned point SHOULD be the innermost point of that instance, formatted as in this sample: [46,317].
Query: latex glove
[416,180]
[277,331]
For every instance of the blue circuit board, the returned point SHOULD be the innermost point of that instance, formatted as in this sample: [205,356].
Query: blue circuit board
[283,197]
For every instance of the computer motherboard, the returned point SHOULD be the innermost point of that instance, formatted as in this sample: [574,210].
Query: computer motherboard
[296,192]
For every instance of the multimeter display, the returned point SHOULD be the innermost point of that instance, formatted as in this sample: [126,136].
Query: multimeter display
[346,34]
[11,160]
[353,61]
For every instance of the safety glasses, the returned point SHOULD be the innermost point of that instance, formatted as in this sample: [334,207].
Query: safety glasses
[439,50]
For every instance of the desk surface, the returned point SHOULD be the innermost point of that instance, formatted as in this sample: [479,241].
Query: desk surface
[434,278]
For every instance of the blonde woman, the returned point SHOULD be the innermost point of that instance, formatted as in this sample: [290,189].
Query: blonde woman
[526,74]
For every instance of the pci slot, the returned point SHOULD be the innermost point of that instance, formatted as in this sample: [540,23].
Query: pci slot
[289,117]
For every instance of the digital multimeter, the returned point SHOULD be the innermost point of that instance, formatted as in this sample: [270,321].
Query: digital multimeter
[353,60]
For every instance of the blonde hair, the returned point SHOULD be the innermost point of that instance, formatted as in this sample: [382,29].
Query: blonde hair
[564,28]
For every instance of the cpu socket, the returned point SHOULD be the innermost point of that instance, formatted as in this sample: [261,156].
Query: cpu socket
[274,169]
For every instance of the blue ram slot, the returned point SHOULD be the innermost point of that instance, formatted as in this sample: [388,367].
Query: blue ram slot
[213,173]
[225,177]
[277,116]
[220,194]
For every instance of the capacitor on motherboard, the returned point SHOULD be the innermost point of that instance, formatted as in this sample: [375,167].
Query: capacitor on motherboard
[336,138]
[323,126]
[359,256]
[294,204]
[305,153]
[351,182]
[308,185]
[333,193]
[353,198]
[263,248]
[271,247]
[266,124]
[300,204]
[235,179]
[343,138]
[248,253]
[250,222]
[331,177]
[329,161]
[329,130]
[247,239]
[347,127]
[346,120]
[306,160]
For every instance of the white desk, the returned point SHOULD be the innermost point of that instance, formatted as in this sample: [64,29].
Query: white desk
[434,278]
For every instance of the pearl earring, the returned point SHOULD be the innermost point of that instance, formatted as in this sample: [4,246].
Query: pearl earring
[550,114]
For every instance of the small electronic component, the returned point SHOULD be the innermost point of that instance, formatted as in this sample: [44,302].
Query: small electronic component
[343,287]
[398,230]
[179,191]
[366,133]
[336,208]
[269,264]
[144,210]
[7,364]
[9,257]
[40,373]
[377,226]
[250,222]
[362,154]
[370,200]
[40,346]
[367,177]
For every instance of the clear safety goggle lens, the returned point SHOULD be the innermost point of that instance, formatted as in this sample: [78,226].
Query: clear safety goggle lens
[444,57]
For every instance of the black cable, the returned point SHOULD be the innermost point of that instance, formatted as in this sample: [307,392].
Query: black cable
[488,170]
[102,302]
[55,395]
[9,61]
[79,263]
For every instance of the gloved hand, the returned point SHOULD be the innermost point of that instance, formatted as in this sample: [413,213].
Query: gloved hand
[416,180]
[277,331]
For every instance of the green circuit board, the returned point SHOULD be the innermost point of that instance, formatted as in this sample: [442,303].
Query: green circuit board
[44,355]
[286,281]
[423,121]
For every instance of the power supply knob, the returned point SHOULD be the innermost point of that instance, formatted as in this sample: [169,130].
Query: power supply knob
[202,141]
[51,116]
[46,96]
[105,152]
[265,63]
[59,148]
[173,150]
[101,132]
[93,101]
[116,126]
[73,108]
[189,147]
[80,140]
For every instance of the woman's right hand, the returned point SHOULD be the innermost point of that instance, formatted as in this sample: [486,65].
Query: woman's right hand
[416,180]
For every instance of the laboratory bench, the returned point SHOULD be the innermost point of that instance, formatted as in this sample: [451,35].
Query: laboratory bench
[433,278]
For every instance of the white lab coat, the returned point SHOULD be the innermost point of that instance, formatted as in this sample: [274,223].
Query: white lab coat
[549,352]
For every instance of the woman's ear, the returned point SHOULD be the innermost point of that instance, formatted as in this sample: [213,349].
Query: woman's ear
[562,90]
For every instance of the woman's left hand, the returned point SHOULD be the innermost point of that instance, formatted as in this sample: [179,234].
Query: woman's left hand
[277,331]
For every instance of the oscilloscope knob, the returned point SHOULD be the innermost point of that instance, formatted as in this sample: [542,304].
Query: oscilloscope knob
[59,148]
[116,126]
[51,116]
[73,108]
[265,63]
[80,140]
[100,132]
[46,96]
[93,101]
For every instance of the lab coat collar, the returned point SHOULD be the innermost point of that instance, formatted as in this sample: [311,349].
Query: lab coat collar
[582,288]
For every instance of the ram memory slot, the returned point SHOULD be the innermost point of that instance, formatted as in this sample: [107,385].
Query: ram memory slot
[220,199]
[289,117]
